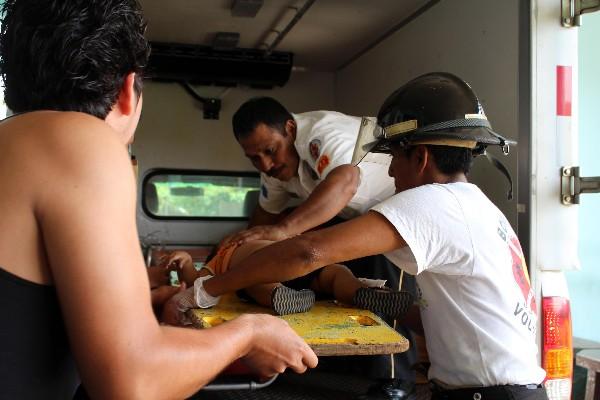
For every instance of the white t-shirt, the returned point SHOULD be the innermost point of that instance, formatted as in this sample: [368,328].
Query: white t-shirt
[477,307]
[325,140]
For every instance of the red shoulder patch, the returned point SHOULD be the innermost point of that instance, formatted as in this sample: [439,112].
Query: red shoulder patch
[322,163]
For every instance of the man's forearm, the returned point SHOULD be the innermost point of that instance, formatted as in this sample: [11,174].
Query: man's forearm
[264,266]
[169,362]
[325,202]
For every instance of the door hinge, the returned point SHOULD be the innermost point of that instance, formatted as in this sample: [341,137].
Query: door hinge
[573,9]
[572,185]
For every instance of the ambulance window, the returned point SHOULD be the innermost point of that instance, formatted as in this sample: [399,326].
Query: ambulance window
[199,194]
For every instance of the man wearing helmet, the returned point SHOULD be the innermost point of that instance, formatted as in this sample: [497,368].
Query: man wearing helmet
[476,306]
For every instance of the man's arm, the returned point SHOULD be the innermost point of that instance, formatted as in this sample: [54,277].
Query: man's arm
[325,202]
[262,217]
[363,236]
[86,210]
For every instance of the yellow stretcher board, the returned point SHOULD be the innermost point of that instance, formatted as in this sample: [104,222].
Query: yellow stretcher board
[328,328]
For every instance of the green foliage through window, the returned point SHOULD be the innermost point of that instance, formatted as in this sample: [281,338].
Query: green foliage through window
[195,195]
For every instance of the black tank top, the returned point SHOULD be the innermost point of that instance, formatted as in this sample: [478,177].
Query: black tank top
[35,359]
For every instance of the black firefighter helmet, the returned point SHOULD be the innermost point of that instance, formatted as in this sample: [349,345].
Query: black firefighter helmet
[436,108]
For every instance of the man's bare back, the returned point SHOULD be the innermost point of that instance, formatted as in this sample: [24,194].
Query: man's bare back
[67,220]
[33,169]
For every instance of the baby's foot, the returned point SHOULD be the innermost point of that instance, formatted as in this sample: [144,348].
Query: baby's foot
[289,301]
[383,301]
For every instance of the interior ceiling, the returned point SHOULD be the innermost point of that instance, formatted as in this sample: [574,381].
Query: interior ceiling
[329,34]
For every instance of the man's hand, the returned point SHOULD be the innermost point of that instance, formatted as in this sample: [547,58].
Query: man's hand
[158,276]
[274,233]
[161,297]
[275,347]
[171,311]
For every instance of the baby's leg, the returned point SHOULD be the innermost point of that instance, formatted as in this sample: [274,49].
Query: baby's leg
[337,280]
[281,299]
[260,293]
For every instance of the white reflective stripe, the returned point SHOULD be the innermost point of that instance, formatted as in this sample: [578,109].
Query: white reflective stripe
[469,144]
[400,128]
[475,116]
[378,158]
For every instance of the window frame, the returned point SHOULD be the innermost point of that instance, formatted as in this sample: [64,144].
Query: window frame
[198,172]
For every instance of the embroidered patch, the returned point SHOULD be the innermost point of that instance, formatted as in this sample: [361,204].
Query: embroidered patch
[264,191]
[322,163]
[314,148]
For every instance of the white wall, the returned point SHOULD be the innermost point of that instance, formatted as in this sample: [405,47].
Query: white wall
[172,132]
[474,39]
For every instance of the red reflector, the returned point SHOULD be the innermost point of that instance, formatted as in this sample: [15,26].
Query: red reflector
[557,355]
[564,90]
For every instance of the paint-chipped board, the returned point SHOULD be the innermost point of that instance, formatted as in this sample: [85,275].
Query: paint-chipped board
[329,329]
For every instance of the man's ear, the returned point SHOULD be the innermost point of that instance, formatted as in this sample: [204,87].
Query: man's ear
[421,158]
[123,116]
[290,128]
[128,98]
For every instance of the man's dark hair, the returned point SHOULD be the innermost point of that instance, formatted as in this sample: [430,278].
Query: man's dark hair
[70,55]
[449,159]
[265,110]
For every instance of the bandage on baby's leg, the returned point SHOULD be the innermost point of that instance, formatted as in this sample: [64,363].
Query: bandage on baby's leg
[201,296]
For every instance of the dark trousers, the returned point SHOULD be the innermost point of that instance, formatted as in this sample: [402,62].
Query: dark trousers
[505,392]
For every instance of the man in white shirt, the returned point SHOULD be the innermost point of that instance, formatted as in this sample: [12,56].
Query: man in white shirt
[306,158]
[476,305]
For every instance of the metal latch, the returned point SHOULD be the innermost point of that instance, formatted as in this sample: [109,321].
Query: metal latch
[573,9]
[572,185]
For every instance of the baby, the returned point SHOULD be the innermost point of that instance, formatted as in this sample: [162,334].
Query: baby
[289,297]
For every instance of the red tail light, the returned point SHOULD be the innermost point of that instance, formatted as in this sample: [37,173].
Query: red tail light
[557,349]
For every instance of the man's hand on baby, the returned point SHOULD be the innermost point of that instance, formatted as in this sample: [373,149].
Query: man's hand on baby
[261,232]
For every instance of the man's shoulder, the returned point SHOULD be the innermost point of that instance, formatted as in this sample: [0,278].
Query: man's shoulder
[55,130]
[322,128]
[324,117]
[50,142]
[41,126]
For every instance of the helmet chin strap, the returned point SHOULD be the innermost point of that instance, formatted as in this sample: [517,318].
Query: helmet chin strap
[496,163]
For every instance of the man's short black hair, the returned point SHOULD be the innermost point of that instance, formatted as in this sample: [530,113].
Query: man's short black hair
[265,110]
[449,159]
[70,55]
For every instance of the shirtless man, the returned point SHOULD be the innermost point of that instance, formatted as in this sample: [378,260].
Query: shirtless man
[72,277]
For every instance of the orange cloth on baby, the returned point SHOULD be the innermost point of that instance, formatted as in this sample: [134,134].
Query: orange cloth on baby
[219,264]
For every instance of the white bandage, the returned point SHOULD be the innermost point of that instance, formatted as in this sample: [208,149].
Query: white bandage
[203,299]
[378,283]
[185,300]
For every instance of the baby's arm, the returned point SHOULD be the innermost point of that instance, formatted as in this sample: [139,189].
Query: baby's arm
[181,262]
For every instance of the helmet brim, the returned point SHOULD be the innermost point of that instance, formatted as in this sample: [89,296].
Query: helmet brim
[470,137]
